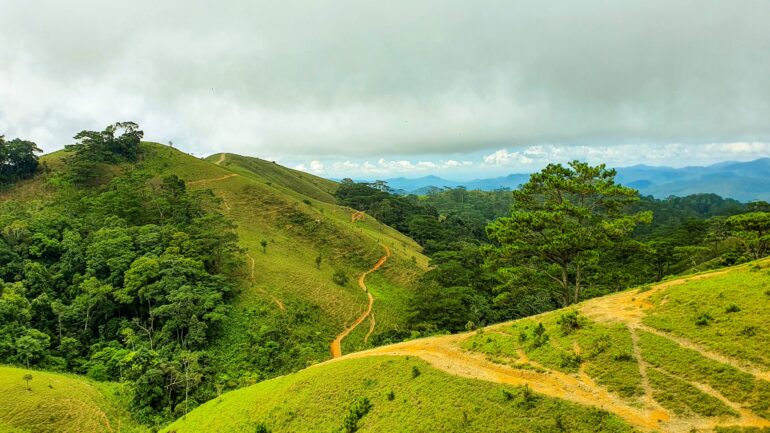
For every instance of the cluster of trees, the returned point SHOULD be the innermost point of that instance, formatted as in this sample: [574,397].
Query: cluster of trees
[125,281]
[18,160]
[568,234]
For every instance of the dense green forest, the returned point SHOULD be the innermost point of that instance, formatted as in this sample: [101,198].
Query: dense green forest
[491,262]
[121,281]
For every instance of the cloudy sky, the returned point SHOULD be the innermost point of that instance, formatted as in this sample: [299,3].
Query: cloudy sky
[379,88]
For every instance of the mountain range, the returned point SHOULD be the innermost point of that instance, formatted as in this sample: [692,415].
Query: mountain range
[744,181]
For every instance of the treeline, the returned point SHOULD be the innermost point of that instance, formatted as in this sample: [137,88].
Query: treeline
[18,160]
[569,234]
[123,280]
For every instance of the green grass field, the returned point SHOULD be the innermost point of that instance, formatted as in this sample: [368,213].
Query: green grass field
[318,400]
[61,403]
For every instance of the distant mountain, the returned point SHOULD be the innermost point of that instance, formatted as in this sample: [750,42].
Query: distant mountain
[744,181]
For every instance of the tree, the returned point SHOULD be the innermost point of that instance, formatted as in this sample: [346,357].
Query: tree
[102,147]
[17,159]
[31,345]
[263,243]
[27,378]
[561,222]
[753,229]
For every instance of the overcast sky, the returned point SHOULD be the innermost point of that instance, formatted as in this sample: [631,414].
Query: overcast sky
[457,88]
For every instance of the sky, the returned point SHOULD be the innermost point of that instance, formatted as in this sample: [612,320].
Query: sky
[377,89]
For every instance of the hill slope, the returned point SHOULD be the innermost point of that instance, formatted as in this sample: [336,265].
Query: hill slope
[685,355]
[287,310]
[60,403]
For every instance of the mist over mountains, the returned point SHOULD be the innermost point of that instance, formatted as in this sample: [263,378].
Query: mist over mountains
[744,181]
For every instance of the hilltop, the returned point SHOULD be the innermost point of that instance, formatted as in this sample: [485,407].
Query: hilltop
[688,354]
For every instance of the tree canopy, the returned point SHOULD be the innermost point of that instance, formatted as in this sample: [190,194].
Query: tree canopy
[563,220]
[18,159]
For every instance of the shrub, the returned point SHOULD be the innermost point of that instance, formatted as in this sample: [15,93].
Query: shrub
[703,319]
[569,322]
[307,202]
[361,407]
[732,308]
[539,336]
[570,360]
[623,357]
[390,395]
[415,372]
[340,277]
[749,331]
[526,398]
[261,428]
[507,395]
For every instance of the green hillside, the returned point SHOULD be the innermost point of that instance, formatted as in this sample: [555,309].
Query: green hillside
[296,281]
[61,403]
[685,355]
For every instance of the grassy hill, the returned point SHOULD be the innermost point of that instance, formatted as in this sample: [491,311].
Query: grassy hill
[61,403]
[684,355]
[287,310]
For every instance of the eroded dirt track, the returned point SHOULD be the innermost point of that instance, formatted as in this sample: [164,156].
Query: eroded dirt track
[336,346]
[646,414]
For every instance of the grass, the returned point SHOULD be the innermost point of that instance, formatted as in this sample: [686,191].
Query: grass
[689,365]
[295,213]
[727,313]
[605,350]
[61,403]
[320,399]
[683,398]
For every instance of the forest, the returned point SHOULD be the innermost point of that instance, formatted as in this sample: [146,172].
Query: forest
[123,281]
[490,264]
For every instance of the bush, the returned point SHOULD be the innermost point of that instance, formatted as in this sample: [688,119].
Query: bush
[340,277]
[539,336]
[749,331]
[623,357]
[703,319]
[507,395]
[570,360]
[569,322]
[390,395]
[415,372]
[361,407]
[732,308]
[261,428]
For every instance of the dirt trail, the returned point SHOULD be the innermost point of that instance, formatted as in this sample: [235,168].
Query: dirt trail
[336,345]
[372,322]
[445,353]
[221,159]
[196,182]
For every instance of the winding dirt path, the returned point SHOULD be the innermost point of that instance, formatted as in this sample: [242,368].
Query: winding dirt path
[221,159]
[215,179]
[336,345]
[646,414]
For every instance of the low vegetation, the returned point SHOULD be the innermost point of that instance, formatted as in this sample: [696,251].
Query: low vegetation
[381,393]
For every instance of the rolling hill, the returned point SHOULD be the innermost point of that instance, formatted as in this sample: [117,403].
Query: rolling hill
[285,299]
[61,403]
[686,355]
